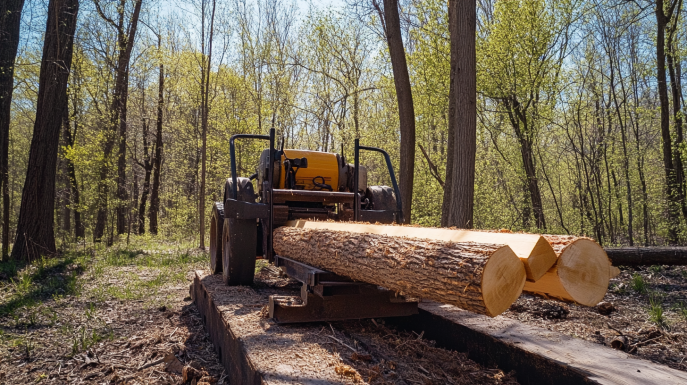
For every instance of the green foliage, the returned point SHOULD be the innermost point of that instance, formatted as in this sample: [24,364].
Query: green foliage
[681,309]
[638,284]
[570,82]
[656,314]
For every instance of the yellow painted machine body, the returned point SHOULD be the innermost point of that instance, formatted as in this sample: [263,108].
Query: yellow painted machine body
[321,165]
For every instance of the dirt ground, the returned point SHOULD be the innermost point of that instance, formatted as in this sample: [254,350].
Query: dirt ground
[107,317]
[645,314]
[124,316]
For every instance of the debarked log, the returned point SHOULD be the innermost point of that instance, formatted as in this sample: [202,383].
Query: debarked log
[482,278]
[532,249]
[581,273]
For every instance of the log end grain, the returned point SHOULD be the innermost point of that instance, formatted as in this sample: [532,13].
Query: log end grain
[502,281]
[584,271]
[540,260]
[581,274]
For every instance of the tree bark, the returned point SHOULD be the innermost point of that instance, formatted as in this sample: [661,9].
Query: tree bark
[35,233]
[647,256]
[671,185]
[10,17]
[157,161]
[204,89]
[125,43]
[460,274]
[463,58]
[147,168]
[451,124]
[675,87]
[404,98]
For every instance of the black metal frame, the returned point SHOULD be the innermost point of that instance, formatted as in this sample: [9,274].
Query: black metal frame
[397,191]
[266,188]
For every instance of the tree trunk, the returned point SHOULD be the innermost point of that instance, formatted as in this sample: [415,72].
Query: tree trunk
[122,195]
[35,233]
[10,17]
[647,256]
[463,57]
[148,168]
[125,43]
[204,89]
[675,87]
[70,139]
[404,97]
[671,186]
[451,124]
[157,161]
[482,278]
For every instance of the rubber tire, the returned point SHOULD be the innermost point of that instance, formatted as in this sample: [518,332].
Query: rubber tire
[239,239]
[245,190]
[381,197]
[216,227]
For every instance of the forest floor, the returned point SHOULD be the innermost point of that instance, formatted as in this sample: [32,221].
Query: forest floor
[123,315]
[118,315]
[645,315]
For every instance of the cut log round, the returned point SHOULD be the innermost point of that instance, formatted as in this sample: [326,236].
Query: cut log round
[581,273]
[532,249]
[482,278]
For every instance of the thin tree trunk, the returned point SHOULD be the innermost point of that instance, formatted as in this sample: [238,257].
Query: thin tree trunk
[675,87]
[148,168]
[463,57]
[671,190]
[125,43]
[35,233]
[79,230]
[451,125]
[10,17]
[205,79]
[157,162]
[404,97]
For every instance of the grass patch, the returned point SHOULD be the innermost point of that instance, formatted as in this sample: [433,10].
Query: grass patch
[638,284]
[38,282]
[681,309]
[656,313]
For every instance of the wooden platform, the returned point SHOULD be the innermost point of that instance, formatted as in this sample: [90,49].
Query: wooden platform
[255,350]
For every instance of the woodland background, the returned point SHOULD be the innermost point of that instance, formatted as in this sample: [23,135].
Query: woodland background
[571,134]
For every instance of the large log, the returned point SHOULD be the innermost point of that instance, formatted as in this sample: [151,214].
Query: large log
[647,256]
[532,249]
[581,273]
[482,278]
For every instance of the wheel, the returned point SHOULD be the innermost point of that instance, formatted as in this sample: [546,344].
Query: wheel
[381,198]
[216,226]
[245,190]
[239,239]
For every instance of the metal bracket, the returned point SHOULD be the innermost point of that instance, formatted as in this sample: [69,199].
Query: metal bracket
[245,210]
[327,297]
